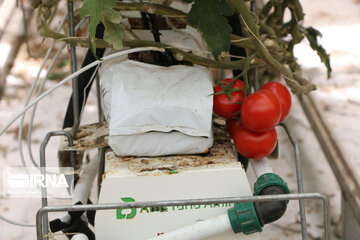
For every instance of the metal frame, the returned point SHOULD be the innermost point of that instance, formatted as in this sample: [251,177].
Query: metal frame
[42,219]
[75,85]
[345,174]
[43,145]
[299,179]
[107,206]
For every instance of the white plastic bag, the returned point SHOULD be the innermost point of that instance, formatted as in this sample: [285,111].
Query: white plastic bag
[153,110]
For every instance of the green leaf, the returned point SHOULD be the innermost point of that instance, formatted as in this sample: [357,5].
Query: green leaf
[210,18]
[112,15]
[109,3]
[311,35]
[114,30]
[225,9]
[93,9]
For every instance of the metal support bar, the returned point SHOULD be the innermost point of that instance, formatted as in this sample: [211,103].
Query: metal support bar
[98,96]
[254,71]
[101,151]
[43,168]
[75,96]
[344,173]
[299,179]
[350,229]
[156,204]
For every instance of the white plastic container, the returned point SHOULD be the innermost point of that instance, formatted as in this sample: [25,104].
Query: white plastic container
[128,179]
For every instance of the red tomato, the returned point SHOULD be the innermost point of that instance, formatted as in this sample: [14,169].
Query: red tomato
[231,125]
[225,107]
[260,111]
[254,145]
[283,95]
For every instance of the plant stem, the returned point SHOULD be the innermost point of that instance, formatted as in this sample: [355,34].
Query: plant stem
[240,7]
[245,74]
[178,53]
[181,16]
[151,8]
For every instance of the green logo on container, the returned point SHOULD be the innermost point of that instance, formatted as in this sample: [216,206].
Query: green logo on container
[131,215]
[147,210]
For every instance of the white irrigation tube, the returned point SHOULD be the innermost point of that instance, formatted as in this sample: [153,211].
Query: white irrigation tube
[83,187]
[16,223]
[85,88]
[95,63]
[32,88]
[261,166]
[82,190]
[32,117]
[80,236]
[200,230]
[41,87]
[84,184]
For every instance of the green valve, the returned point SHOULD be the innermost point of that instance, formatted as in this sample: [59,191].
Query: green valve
[269,179]
[243,218]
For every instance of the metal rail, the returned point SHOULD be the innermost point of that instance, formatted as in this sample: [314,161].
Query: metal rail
[75,84]
[43,145]
[345,175]
[299,179]
[107,206]
[300,196]
[98,99]
[255,71]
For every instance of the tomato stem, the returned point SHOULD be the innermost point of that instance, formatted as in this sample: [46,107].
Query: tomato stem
[244,74]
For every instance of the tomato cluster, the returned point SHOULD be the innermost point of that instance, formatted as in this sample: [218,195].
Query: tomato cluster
[251,121]
[224,105]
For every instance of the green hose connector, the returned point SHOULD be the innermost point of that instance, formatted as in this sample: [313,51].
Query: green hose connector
[243,218]
[269,179]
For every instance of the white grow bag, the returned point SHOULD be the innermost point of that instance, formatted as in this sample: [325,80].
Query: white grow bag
[153,110]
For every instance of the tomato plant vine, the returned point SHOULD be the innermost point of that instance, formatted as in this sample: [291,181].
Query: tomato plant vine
[268,39]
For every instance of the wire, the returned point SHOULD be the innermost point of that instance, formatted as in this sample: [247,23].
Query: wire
[94,74]
[75,74]
[31,124]
[86,87]
[42,84]
[16,223]
[31,91]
